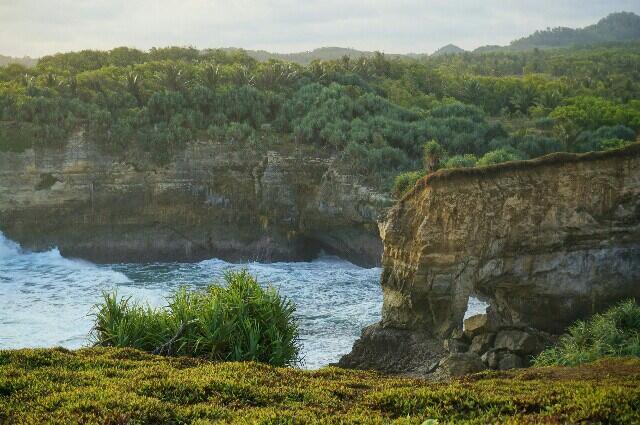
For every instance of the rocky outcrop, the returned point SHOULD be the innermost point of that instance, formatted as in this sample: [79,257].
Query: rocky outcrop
[544,242]
[211,200]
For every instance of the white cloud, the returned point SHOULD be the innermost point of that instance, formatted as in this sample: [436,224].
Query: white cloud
[38,27]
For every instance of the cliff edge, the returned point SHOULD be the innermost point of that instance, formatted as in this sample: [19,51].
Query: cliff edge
[544,242]
[211,200]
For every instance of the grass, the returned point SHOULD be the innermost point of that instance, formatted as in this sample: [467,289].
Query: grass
[125,386]
[234,320]
[615,333]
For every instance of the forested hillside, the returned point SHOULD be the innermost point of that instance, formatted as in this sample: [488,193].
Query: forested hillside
[617,27]
[305,58]
[376,114]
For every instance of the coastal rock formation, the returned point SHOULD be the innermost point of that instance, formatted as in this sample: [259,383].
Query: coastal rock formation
[544,242]
[211,200]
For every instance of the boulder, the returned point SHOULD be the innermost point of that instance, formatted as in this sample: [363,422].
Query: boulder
[454,345]
[517,341]
[392,351]
[476,325]
[459,364]
[491,358]
[482,343]
[510,360]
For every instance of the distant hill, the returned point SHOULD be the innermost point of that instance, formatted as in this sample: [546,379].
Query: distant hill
[26,61]
[488,49]
[616,27]
[449,49]
[305,58]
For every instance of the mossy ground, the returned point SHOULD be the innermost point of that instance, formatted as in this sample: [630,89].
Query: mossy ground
[124,386]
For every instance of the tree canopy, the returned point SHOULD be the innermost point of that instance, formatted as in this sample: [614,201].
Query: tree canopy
[374,113]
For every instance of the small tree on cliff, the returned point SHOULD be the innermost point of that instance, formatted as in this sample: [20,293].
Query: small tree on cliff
[433,154]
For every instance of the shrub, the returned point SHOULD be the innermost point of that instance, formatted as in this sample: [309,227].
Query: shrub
[405,182]
[588,141]
[461,161]
[239,321]
[609,144]
[498,156]
[616,333]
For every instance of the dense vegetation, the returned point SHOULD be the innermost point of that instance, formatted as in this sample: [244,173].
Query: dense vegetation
[615,333]
[622,26]
[374,113]
[125,386]
[238,321]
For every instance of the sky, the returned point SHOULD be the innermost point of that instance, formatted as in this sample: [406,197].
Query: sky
[40,27]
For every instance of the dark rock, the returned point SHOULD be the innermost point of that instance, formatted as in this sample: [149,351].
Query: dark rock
[459,364]
[458,333]
[394,351]
[510,360]
[517,341]
[491,358]
[453,345]
[481,343]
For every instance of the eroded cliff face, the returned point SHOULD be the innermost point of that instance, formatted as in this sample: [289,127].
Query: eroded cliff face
[211,200]
[545,242]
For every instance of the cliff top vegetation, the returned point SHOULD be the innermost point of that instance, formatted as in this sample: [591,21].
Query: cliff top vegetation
[118,386]
[374,113]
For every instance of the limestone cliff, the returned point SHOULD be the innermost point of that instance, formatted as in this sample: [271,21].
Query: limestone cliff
[211,200]
[545,242]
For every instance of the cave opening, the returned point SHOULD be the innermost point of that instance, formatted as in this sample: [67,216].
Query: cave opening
[312,248]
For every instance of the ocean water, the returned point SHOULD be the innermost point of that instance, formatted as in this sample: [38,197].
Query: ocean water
[46,300]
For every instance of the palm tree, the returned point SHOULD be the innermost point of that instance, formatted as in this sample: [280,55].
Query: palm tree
[549,99]
[242,76]
[134,86]
[51,80]
[173,78]
[471,91]
[276,73]
[523,99]
[71,84]
[27,80]
[211,75]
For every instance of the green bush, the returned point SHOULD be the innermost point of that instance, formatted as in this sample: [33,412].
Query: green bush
[616,333]
[405,182]
[240,321]
[498,156]
[609,144]
[461,161]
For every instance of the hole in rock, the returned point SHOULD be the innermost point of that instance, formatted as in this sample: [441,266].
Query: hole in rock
[475,306]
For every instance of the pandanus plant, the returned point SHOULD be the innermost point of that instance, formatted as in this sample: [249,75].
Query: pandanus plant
[173,78]
[211,76]
[134,86]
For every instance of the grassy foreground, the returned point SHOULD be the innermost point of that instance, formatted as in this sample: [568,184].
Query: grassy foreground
[125,386]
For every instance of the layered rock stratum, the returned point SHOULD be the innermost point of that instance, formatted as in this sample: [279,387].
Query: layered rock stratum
[220,200]
[544,242]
